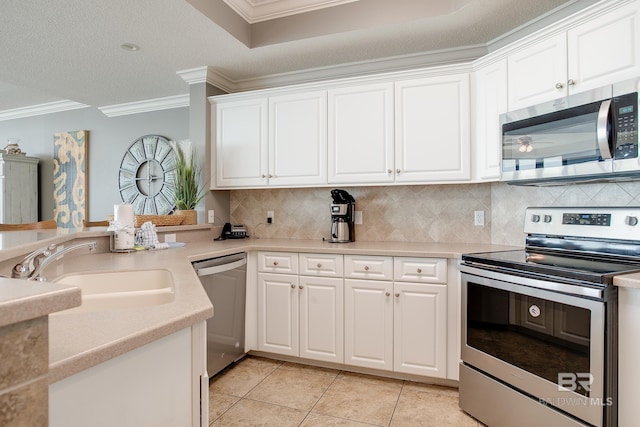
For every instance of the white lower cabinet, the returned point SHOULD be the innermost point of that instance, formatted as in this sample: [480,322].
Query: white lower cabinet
[380,312]
[301,316]
[163,383]
[420,329]
[368,323]
[321,318]
[398,323]
[278,313]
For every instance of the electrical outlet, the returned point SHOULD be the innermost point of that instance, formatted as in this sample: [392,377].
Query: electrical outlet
[357,217]
[211,216]
[269,217]
[169,238]
[478,218]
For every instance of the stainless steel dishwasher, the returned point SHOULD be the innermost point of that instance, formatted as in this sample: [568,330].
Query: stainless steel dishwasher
[224,280]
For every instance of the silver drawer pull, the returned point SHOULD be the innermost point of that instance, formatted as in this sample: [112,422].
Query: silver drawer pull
[387,293]
[366,268]
[275,262]
[293,286]
[419,271]
[398,295]
[319,265]
[301,286]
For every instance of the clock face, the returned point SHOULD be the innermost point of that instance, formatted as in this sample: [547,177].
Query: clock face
[147,176]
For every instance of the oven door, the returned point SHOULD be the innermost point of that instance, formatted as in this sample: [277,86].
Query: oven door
[546,344]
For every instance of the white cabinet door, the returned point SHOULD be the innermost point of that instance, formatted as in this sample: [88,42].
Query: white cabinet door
[368,318]
[278,313]
[538,73]
[241,144]
[604,50]
[361,134]
[420,329]
[298,139]
[432,138]
[489,101]
[321,318]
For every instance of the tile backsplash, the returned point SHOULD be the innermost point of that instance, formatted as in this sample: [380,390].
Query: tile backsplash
[419,213]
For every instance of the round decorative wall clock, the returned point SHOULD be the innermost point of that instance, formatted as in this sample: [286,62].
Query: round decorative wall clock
[147,175]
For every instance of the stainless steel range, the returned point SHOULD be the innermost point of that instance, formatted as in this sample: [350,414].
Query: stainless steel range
[539,339]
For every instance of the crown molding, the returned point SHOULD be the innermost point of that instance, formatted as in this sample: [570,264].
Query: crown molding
[40,109]
[355,69]
[166,103]
[207,74]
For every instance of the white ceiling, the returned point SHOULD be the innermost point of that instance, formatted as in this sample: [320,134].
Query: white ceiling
[70,49]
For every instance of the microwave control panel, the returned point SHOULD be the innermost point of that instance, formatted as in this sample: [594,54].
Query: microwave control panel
[625,123]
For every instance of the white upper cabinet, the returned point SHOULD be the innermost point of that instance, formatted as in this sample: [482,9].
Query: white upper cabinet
[605,50]
[241,144]
[280,140]
[538,73]
[432,136]
[598,52]
[489,88]
[298,139]
[361,134]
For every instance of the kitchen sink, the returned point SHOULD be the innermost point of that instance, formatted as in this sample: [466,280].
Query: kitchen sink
[120,289]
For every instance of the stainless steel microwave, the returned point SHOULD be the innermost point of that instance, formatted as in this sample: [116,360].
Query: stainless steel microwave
[590,136]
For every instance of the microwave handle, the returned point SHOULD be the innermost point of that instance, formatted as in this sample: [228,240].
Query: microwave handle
[602,133]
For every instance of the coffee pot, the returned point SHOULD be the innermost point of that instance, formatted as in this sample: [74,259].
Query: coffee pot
[342,214]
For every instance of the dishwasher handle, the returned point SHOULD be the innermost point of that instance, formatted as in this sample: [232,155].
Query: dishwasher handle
[207,271]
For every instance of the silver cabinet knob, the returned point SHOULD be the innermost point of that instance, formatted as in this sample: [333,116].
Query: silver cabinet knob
[397,170]
[275,263]
[559,85]
[419,270]
[631,220]
[300,286]
[389,171]
[387,293]
[366,268]
[293,286]
[319,265]
[270,176]
[264,176]
[571,82]
[397,294]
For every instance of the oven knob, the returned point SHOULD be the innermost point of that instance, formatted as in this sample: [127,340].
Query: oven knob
[535,218]
[547,218]
[631,220]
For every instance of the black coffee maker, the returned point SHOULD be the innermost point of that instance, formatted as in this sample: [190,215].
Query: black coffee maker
[342,212]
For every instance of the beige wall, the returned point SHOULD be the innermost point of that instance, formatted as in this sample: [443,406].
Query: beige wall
[425,213]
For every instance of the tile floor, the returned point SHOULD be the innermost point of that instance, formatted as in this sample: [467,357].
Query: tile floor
[263,392]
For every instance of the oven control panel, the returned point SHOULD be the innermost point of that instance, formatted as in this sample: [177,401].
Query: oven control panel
[592,222]
[587,219]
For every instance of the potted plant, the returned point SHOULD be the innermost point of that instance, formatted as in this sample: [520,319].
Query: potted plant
[188,191]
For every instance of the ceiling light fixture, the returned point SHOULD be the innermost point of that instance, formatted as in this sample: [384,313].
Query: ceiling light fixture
[130,47]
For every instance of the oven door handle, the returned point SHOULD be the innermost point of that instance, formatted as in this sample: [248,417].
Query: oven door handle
[548,285]
[603,129]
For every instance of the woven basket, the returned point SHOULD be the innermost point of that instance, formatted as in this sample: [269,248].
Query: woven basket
[159,220]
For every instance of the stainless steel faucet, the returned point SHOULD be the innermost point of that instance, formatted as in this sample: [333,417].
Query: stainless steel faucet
[34,263]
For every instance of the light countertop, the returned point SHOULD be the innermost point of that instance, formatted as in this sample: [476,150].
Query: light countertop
[80,340]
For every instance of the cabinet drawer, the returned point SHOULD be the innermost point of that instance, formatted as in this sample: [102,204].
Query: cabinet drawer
[278,262]
[368,267]
[425,270]
[329,265]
